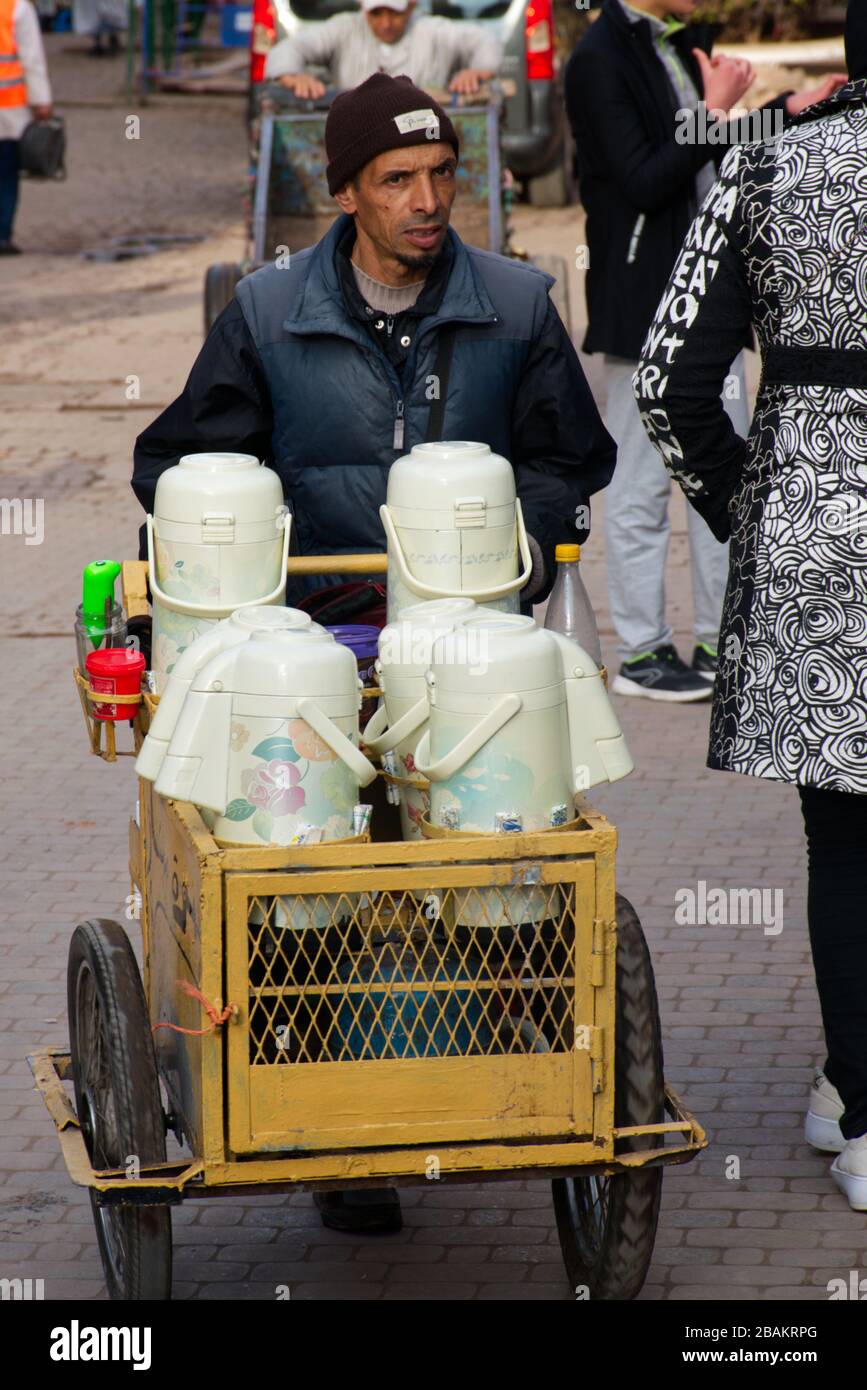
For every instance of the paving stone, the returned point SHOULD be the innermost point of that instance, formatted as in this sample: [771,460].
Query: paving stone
[425,1293]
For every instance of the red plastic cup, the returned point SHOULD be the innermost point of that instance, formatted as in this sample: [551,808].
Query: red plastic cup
[115,671]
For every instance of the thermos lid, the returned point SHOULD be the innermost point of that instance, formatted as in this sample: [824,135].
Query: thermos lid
[123,662]
[218,463]
[406,644]
[435,477]
[288,663]
[497,653]
[260,616]
[435,609]
[222,483]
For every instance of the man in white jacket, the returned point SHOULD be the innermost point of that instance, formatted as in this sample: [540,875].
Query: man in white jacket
[25,95]
[386,36]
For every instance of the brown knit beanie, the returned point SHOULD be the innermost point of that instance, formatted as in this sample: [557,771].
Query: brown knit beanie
[384,113]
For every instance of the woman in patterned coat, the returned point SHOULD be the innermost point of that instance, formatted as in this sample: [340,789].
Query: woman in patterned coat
[781,243]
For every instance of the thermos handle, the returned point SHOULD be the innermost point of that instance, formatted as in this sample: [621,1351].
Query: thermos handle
[196,764]
[467,748]
[337,741]
[205,610]
[598,748]
[385,741]
[373,728]
[480,595]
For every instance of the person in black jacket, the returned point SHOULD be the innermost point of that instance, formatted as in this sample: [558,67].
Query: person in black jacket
[329,368]
[644,169]
[782,245]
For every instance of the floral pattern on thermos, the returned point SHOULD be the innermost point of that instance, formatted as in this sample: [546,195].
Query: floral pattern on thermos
[292,773]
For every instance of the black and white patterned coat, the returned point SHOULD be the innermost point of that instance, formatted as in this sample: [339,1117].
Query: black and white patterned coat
[782,242]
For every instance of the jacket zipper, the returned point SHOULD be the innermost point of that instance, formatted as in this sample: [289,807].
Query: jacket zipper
[397,439]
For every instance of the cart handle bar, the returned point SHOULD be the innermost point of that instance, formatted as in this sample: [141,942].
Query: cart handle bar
[337,564]
[372,563]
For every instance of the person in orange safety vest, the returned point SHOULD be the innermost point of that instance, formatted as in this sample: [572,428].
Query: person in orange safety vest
[25,95]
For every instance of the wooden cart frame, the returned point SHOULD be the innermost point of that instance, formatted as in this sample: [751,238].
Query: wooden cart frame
[256,1121]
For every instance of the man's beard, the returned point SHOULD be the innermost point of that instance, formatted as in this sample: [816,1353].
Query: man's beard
[423,261]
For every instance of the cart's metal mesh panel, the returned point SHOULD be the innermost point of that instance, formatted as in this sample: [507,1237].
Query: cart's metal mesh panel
[456,972]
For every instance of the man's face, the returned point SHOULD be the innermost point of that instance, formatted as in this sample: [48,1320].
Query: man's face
[402,201]
[388,25]
[681,9]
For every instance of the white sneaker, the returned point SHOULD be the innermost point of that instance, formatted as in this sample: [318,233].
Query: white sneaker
[849,1171]
[822,1126]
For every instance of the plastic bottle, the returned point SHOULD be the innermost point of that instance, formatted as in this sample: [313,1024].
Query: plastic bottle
[569,608]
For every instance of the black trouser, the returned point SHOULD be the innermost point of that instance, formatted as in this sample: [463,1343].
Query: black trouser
[8,187]
[836,824]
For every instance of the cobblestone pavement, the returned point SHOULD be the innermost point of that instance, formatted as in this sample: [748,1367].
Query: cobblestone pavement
[756,1217]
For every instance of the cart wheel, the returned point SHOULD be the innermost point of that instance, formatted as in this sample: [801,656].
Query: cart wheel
[607,1225]
[117,1099]
[220,282]
[549,190]
[559,291]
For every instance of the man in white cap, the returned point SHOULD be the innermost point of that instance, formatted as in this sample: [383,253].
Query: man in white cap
[386,36]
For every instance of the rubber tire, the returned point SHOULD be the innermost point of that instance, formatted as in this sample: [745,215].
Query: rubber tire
[620,1267]
[559,291]
[557,187]
[220,282]
[550,190]
[103,949]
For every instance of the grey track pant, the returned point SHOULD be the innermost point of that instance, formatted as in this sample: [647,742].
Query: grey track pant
[637,526]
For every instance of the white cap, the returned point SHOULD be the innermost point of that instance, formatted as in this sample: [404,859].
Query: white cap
[399,5]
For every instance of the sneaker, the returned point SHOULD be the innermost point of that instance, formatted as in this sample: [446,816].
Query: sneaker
[8,248]
[661,675]
[849,1171]
[704,661]
[822,1125]
[367,1210]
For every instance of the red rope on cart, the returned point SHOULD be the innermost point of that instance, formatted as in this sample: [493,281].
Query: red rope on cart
[217,1017]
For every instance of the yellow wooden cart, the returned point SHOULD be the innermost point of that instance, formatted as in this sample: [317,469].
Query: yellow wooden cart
[357,1013]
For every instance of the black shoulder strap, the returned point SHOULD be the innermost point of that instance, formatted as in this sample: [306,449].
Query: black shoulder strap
[442,371]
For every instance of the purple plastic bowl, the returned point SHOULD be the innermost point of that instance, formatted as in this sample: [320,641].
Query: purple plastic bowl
[361,639]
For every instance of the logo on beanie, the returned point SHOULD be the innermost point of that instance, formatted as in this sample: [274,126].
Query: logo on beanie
[426,120]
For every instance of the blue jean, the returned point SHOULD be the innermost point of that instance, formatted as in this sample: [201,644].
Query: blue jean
[8,187]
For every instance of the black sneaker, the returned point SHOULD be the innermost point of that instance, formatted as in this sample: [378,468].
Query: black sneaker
[8,248]
[366,1210]
[661,675]
[704,661]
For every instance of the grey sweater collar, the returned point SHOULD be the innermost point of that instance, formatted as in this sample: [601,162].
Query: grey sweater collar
[387,299]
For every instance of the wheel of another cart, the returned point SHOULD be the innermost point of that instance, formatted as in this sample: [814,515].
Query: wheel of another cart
[607,1225]
[117,1100]
[559,291]
[220,282]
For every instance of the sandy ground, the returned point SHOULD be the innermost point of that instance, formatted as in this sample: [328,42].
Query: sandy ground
[185,173]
